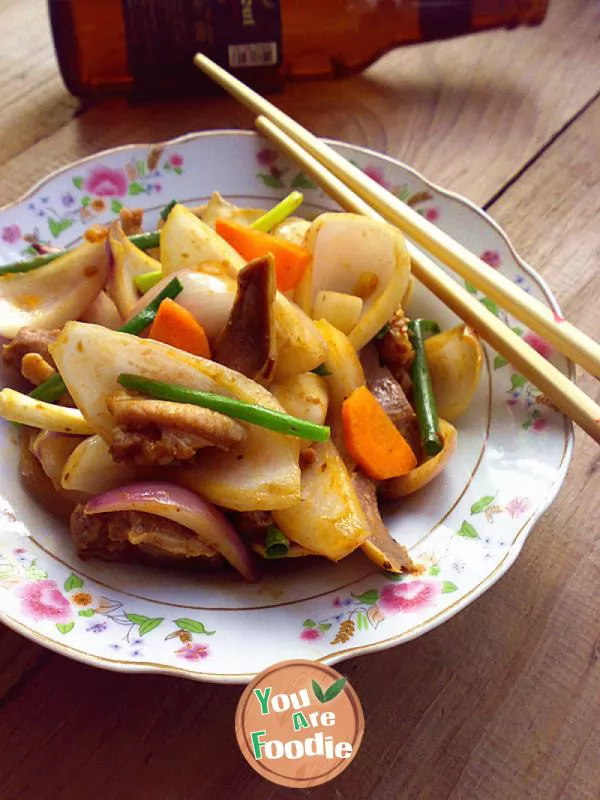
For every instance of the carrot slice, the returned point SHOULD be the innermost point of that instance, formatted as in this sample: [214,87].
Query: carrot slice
[291,260]
[176,326]
[372,439]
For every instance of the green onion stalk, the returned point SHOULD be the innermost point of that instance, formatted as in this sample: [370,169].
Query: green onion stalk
[425,406]
[237,409]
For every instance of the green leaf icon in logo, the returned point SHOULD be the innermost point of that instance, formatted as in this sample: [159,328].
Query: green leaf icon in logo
[318,692]
[329,694]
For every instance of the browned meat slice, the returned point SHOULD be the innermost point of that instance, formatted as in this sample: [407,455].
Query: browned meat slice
[396,351]
[252,522]
[390,395]
[156,432]
[379,547]
[247,343]
[35,368]
[138,537]
[29,340]
[131,220]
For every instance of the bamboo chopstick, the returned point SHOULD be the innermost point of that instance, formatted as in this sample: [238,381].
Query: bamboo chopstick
[556,386]
[560,333]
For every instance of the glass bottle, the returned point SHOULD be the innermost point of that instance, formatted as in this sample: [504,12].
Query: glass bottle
[147,45]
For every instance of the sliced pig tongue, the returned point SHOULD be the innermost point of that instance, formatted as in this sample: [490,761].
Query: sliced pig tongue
[246,344]
[379,547]
[390,395]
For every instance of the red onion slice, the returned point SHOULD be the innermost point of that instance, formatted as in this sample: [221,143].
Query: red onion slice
[184,507]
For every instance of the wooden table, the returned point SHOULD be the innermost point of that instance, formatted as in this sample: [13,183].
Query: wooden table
[503,701]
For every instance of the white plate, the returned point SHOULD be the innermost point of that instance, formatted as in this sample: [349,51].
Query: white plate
[467,527]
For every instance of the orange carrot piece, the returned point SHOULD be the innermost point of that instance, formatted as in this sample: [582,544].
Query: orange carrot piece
[291,260]
[372,439]
[175,325]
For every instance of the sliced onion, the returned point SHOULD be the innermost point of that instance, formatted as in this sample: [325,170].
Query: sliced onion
[209,297]
[52,450]
[103,311]
[184,507]
[49,296]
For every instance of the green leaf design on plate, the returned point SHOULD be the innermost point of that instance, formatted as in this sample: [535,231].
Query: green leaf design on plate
[136,188]
[448,586]
[396,577]
[302,181]
[517,330]
[54,227]
[517,381]
[73,582]
[85,201]
[115,206]
[141,168]
[324,626]
[137,619]
[370,597]
[270,180]
[65,628]
[192,626]
[467,530]
[34,573]
[435,570]
[470,288]
[78,182]
[490,305]
[177,170]
[333,691]
[150,625]
[482,504]
[309,623]
[499,362]
[88,612]
[361,621]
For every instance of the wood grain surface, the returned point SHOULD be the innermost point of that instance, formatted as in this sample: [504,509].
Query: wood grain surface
[503,701]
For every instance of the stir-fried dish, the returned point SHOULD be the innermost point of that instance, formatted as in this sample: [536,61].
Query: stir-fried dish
[237,385]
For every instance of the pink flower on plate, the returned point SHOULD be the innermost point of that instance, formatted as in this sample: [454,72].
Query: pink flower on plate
[44,600]
[193,652]
[492,258]
[539,424]
[310,634]
[376,174]
[267,156]
[11,233]
[518,505]
[408,595]
[432,214]
[106,182]
[538,344]
[176,160]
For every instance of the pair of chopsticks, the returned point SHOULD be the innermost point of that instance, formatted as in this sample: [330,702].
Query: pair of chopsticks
[356,192]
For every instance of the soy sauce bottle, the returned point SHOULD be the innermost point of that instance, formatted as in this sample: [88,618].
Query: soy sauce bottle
[146,46]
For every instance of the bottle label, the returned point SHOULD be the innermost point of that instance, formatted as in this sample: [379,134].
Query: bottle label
[163,36]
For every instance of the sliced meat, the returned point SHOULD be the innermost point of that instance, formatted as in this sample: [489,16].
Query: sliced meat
[156,432]
[247,344]
[380,547]
[139,537]
[29,340]
[391,396]
[396,351]
[131,220]
[249,523]
[35,368]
